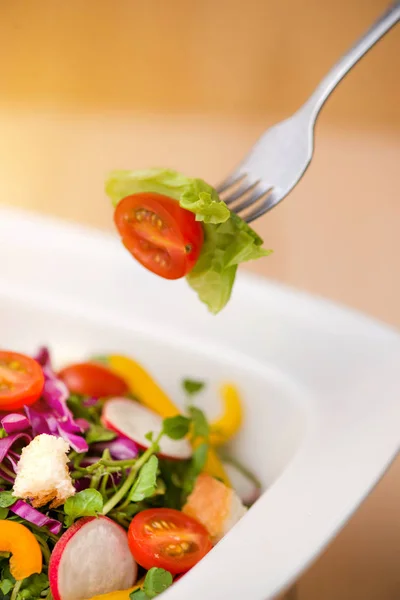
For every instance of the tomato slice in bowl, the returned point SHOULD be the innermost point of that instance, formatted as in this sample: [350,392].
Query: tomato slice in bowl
[21,380]
[91,379]
[168,539]
[162,236]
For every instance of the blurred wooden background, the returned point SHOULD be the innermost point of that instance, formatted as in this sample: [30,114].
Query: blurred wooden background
[91,85]
[218,56]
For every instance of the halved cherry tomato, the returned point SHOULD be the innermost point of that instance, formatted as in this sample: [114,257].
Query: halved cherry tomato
[168,539]
[21,380]
[162,236]
[92,379]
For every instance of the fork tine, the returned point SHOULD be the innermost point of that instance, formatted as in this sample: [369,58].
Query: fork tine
[252,199]
[229,182]
[244,188]
[270,201]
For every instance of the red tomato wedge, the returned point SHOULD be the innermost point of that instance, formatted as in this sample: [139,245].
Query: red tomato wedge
[168,539]
[21,380]
[162,236]
[91,379]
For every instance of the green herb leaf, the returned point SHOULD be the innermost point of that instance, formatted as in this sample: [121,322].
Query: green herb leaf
[192,387]
[149,436]
[138,595]
[7,581]
[197,464]
[87,503]
[176,427]
[33,586]
[146,483]
[7,499]
[156,582]
[200,424]
[6,585]
[3,513]
[199,458]
[97,433]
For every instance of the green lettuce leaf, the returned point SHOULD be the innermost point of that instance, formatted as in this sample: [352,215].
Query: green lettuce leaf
[192,194]
[225,246]
[228,240]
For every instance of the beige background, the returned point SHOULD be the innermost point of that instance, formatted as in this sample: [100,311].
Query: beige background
[91,85]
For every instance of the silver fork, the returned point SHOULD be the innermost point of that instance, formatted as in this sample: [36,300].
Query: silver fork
[280,157]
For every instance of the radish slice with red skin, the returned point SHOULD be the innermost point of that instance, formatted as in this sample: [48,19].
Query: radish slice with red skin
[133,420]
[91,558]
[244,485]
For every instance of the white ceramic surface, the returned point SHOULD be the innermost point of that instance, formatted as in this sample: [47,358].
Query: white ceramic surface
[321,384]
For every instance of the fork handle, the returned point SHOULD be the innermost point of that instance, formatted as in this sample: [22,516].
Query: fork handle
[336,74]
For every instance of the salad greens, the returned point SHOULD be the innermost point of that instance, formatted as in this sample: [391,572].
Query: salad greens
[112,477]
[33,587]
[228,240]
[192,387]
[176,427]
[146,483]
[6,499]
[108,474]
[156,582]
[87,503]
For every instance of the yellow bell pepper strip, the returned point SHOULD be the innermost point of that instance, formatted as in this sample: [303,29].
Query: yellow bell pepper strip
[26,556]
[120,595]
[226,427]
[143,386]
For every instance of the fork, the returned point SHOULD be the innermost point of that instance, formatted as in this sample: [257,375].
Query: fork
[281,156]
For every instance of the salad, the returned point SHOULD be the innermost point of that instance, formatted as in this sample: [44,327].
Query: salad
[107,490]
[177,226]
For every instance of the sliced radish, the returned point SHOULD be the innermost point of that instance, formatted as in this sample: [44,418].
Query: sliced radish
[91,558]
[133,420]
[245,485]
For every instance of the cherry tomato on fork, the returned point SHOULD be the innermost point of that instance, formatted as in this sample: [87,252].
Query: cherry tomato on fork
[21,380]
[162,236]
[168,539]
[92,379]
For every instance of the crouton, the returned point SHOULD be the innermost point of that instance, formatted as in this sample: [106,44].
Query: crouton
[42,472]
[214,505]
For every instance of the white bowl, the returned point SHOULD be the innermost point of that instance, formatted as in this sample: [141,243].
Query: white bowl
[321,384]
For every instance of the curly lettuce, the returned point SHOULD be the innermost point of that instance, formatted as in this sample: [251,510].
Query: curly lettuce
[228,240]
